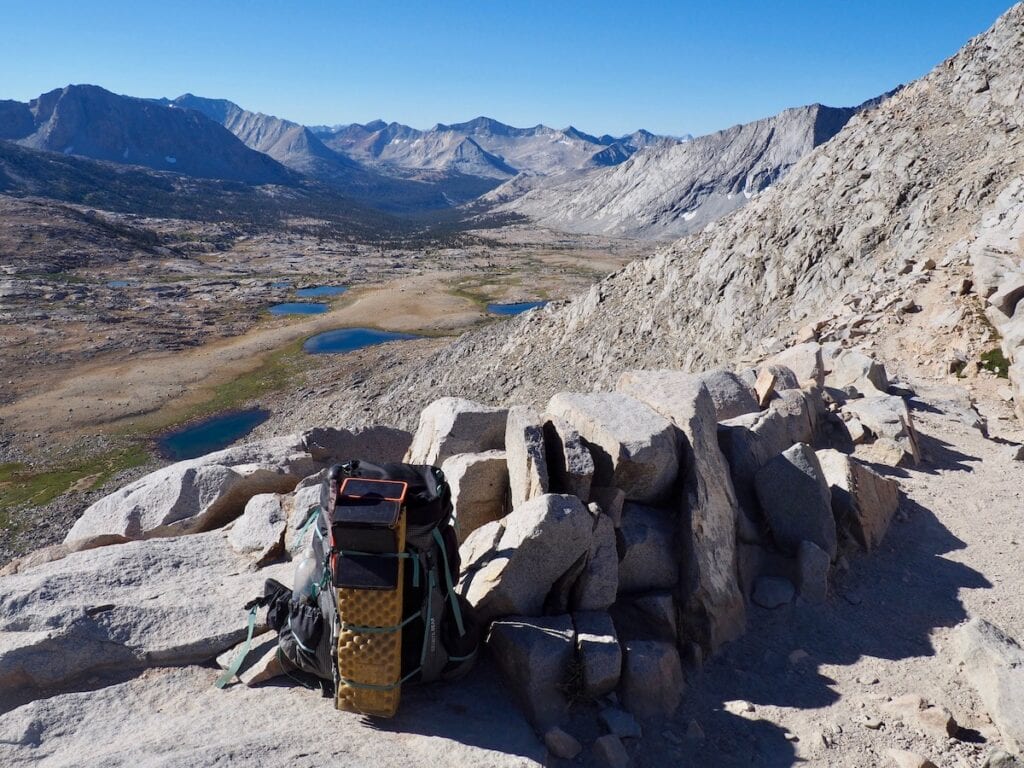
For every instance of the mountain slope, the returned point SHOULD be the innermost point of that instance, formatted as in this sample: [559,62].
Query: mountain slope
[906,182]
[28,172]
[670,190]
[88,121]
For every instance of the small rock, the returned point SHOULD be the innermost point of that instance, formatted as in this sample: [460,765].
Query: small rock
[738,707]
[646,543]
[570,463]
[598,584]
[610,753]
[262,663]
[598,651]
[773,592]
[764,387]
[453,425]
[853,597]
[798,656]
[525,454]
[863,501]
[534,655]
[620,722]
[509,567]
[477,482]
[796,500]
[652,678]
[902,758]
[260,529]
[916,712]
[867,680]
[561,744]
[999,758]
[872,723]
[813,563]
[634,448]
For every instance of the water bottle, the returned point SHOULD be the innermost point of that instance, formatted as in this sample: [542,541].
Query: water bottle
[305,577]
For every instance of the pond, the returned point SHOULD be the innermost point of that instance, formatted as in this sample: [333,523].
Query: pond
[321,290]
[350,339]
[515,308]
[284,284]
[298,308]
[211,434]
[118,284]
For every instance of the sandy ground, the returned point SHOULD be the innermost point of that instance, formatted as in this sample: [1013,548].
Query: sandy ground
[110,395]
[817,676]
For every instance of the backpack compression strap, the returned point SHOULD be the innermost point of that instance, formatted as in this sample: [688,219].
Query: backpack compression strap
[235,665]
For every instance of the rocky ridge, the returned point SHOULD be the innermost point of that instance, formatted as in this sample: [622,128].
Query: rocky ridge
[671,190]
[88,121]
[482,147]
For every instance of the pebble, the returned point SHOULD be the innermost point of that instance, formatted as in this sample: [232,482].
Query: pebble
[610,753]
[871,722]
[798,656]
[620,722]
[867,680]
[561,744]
[853,597]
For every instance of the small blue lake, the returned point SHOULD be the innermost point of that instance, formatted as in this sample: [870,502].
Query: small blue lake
[118,284]
[298,308]
[350,339]
[321,290]
[284,284]
[514,309]
[210,434]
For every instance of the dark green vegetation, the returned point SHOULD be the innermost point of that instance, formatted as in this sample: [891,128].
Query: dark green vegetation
[21,486]
[995,361]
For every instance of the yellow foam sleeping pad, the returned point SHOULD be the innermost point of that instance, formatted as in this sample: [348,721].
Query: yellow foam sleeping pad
[370,644]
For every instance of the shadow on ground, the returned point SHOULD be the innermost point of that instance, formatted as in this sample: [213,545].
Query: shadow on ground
[887,606]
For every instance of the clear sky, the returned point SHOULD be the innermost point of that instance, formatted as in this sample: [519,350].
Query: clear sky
[671,67]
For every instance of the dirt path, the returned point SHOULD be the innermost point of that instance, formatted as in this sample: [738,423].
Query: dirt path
[107,394]
[817,676]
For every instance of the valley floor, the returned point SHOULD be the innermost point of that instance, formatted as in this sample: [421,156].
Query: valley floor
[98,359]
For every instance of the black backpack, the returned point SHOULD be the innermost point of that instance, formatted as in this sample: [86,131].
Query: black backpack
[431,650]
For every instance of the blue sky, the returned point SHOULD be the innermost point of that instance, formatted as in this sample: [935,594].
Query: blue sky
[671,67]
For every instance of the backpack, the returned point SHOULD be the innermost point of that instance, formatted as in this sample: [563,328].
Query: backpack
[308,627]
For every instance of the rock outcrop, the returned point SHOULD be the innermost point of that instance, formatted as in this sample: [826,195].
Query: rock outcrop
[994,665]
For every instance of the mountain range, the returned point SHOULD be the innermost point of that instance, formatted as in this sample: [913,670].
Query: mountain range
[639,184]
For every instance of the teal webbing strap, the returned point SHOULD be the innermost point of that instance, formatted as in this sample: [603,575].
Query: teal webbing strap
[467,657]
[379,687]
[357,553]
[379,630]
[235,665]
[451,587]
[311,513]
[415,571]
